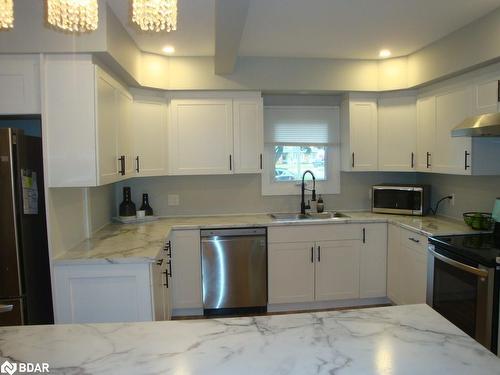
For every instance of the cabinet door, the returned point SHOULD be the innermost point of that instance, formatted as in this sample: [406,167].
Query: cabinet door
[426,132]
[125,132]
[107,131]
[150,138]
[103,293]
[337,270]
[291,272]
[157,286]
[397,131]
[486,97]
[451,109]
[186,269]
[201,137]
[363,135]
[248,135]
[414,278]
[373,261]
[394,274]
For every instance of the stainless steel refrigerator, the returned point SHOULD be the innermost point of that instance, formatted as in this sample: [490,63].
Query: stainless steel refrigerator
[25,292]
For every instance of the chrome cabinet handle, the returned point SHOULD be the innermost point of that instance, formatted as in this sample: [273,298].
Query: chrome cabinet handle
[6,308]
[230,162]
[312,254]
[260,161]
[353,159]
[467,154]
[364,235]
[319,253]
[412,164]
[137,169]
[428,162]
[414,240]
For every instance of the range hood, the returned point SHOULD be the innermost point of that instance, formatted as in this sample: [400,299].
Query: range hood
[487,125]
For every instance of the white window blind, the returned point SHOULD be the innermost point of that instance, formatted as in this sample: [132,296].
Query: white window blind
[301,125]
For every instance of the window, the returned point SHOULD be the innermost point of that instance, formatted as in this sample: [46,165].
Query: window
[299,139]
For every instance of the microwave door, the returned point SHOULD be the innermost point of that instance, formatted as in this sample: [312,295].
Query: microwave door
[463,294]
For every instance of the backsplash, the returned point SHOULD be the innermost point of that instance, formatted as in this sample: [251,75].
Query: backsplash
[472,193]
[233,194]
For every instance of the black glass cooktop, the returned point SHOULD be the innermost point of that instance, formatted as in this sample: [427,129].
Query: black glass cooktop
[478,248]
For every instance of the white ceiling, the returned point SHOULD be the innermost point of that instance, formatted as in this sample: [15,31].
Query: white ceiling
[353,29]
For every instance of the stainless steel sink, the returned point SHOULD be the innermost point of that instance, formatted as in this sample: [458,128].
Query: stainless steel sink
[308,216]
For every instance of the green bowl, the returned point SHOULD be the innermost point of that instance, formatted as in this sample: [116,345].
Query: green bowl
[478,220]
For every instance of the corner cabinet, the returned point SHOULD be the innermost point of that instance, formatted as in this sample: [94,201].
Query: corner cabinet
[87,116]
[359,131]
[215,136]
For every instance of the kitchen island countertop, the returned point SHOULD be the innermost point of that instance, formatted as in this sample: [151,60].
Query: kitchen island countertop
[412,339]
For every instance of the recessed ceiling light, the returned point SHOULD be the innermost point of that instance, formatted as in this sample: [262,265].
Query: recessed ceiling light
[168,49]
[384,53]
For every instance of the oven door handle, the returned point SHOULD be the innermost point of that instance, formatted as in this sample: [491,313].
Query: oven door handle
[464,267]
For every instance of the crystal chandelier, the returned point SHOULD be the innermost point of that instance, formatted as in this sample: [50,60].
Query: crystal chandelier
[73,15]
[155,15]
[6,14]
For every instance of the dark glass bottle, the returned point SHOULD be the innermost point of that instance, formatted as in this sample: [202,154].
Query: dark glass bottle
[127,207]
[145,205]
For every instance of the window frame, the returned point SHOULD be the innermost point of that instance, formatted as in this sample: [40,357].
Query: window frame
[331,185]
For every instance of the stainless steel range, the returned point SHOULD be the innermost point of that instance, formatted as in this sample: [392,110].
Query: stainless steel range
[464,283]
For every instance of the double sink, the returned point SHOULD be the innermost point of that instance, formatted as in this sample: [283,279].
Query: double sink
[308,216]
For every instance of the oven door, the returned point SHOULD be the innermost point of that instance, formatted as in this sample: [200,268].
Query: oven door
[462,293]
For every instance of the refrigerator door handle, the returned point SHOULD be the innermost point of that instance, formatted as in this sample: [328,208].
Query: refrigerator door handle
[6,308]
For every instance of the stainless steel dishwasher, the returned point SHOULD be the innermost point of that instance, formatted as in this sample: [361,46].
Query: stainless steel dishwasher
[234,270]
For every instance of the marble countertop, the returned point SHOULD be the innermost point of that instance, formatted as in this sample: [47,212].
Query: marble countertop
[132,243]
[412,339]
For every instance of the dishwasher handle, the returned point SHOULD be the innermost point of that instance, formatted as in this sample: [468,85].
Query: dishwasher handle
[207,233]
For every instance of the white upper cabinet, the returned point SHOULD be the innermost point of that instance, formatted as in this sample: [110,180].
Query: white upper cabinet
[452,154]
[397,131]
[87,123]
[248,135]
[19,84]
[486,97]
[359,133]
[201,136]
[215,136]
[149,123]
[426,130]
[107,131]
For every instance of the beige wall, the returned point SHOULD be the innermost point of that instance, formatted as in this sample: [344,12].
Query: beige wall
[472,193]
[75,213]
[236,194]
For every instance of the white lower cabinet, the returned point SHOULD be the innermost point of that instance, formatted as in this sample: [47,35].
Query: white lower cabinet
[407,266]
[291,272]
[337,270]
[102,293]
[186,271]
[326,262]
[373,261]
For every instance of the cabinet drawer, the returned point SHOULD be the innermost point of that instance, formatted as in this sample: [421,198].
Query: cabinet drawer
[414,241]
[314,232]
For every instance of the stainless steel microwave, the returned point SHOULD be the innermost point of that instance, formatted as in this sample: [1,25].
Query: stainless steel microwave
[401,199]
